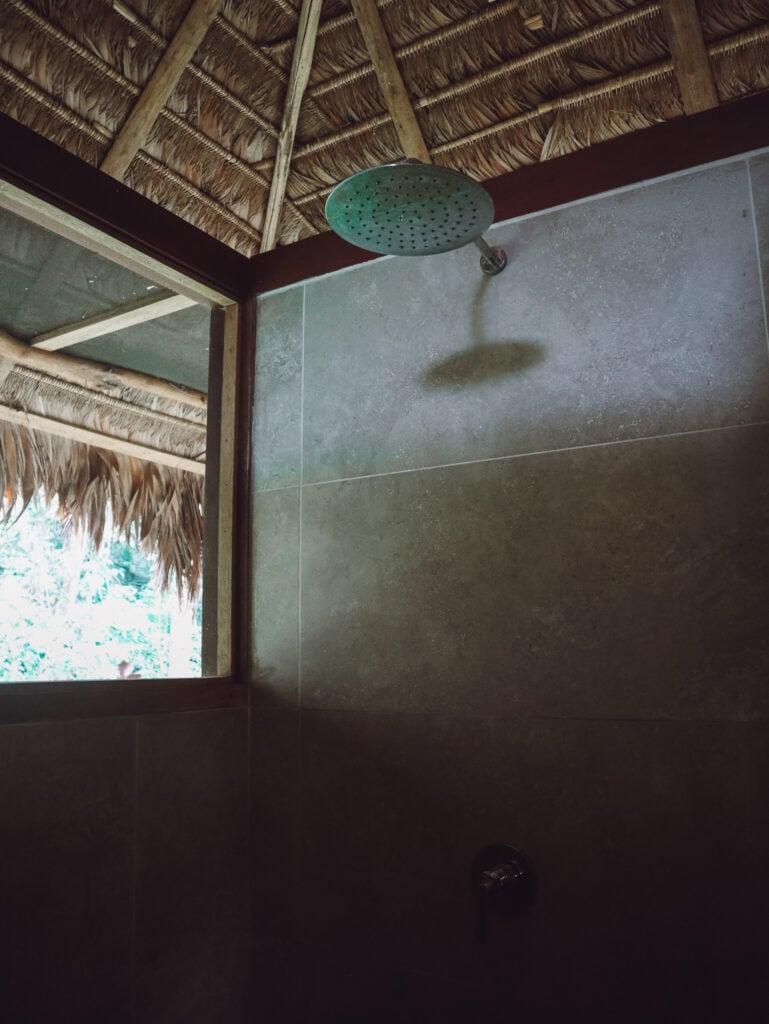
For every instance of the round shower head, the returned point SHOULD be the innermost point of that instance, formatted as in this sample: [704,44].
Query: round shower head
[409,209]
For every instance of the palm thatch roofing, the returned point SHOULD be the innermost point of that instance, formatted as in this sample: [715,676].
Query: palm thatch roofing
[231,101]
[95,438]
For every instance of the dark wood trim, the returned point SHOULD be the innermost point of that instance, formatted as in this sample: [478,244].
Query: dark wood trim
[310,257]
[242,527]
[49,172]
[210,596]
[44,702]
[677,145]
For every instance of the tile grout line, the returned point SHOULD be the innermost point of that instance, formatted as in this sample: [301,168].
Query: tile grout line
[761,287]
[524,717]
[298,757]
[544,451]
[134,872]
[301,509]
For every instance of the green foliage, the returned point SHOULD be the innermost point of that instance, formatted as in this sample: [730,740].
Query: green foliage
[71,612]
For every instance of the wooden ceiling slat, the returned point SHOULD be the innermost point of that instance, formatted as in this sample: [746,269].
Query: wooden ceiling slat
[133,134]
[690,56]
[300,74]
[390,81]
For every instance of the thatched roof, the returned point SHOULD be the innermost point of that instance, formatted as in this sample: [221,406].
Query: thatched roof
[94,437]
[486,86]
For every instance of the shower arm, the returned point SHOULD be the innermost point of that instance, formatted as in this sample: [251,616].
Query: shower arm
[493,259]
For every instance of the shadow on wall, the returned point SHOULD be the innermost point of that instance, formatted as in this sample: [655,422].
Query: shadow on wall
[484,360]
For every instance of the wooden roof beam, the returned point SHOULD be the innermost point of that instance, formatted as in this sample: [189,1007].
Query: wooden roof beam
[690,56]
[301,66]
[163,81]
[99,377]
[390,81]
[116,319]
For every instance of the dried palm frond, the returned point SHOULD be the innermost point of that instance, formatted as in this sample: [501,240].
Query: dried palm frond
[639,103]
[160,506]
[726,17]
[741,63]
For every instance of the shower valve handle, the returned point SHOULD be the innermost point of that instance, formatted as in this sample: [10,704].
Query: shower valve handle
[503,882]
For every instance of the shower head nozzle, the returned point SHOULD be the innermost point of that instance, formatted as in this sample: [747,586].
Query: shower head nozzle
[413,209]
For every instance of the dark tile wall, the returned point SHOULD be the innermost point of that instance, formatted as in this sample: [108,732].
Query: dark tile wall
[512,553]
[123,870]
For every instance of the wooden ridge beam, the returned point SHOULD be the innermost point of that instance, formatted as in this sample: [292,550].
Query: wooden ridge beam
[690,56]
[301,66]
[161,84]
[72,432]
[390,80]
[117,319]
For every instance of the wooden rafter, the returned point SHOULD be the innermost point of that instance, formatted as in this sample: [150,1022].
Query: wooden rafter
[166,75]
[390,80]
[96,376]
[301,66]
[117,319]
[690,56]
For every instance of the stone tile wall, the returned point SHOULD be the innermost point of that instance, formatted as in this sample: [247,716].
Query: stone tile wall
[512,558]
[124,870]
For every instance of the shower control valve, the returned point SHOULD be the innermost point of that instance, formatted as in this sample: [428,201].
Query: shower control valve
[503,883]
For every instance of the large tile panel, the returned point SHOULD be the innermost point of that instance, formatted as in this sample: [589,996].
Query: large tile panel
[277,411]
[66,818]
[192,867]
[624,580]
[629,315]
[275,634]
[649,841]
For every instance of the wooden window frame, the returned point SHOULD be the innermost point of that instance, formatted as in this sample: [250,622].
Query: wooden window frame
[48,186]
[45,183]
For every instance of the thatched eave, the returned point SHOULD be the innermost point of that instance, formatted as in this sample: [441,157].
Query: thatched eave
[98,439]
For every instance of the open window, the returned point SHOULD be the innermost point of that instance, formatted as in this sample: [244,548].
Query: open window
[118,394]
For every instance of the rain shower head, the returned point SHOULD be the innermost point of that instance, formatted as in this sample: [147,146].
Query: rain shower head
[413,209]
